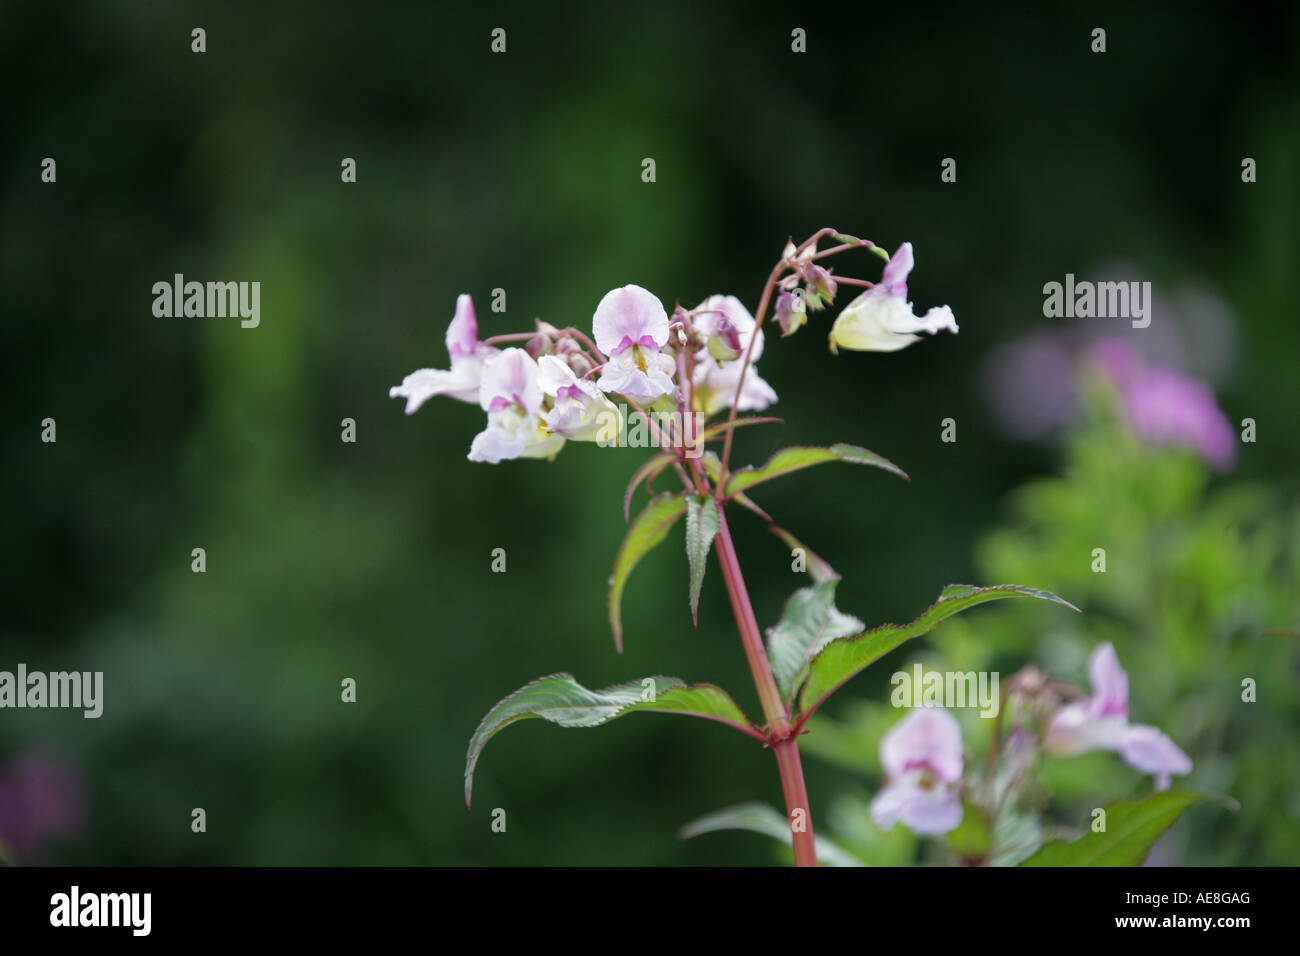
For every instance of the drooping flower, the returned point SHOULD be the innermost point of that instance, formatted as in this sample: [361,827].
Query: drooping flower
[922,759]
[580,411]
[468,356]
[631,327]
[511,394]
[727,328]
[1100,722]
[1165,407]
[881,318]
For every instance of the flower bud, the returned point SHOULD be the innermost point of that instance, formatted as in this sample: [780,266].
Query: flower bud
[790,313]
[724,344]
[821,288]
[541,343]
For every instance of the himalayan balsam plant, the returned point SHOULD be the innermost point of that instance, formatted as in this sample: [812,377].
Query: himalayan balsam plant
[684,378]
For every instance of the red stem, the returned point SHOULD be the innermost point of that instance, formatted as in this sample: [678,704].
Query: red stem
[778,729]
[796,797]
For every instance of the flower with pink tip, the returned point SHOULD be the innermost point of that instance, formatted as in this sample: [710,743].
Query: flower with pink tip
[922,758]
[881,319]
[512,396]
[579,411]
[631,327]
[468,356]
[1100,722]
[727,328]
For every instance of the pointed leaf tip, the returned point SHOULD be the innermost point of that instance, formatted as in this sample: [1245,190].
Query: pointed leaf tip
[839,660]
[798,457]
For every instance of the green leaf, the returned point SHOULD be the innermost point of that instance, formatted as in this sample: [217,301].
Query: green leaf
[1132,826]
[562,700]
[794,459]
[649,529]
[701,526]
[818,569]
[842,659]
[809,622]
[648,471]
[760,818]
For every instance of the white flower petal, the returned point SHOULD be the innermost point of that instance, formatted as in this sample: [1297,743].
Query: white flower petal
[494,445]
[630,314]
[511,377]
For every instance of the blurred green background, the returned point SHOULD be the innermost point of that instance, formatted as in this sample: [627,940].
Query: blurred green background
[522,171]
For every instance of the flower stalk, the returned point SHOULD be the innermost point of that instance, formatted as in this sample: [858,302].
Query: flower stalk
[778,730]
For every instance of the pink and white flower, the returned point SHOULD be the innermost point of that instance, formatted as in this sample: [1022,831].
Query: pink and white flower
[922,758]
[579,411]
[881,319]
[511,394]
[468,356]
[727,328]
[1100,722]
[631,327]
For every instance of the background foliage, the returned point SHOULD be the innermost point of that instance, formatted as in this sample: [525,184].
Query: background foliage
[522,171]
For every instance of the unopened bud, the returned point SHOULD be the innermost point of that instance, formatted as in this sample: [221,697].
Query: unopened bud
[790,314]
[580,364]
[724,344]
[821,288]
[541,343]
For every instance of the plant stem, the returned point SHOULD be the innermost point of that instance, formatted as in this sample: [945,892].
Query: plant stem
[796,797]
[772,279]
[778,729]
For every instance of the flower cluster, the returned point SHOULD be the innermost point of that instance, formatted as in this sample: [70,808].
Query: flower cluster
[562,385]
[922,754]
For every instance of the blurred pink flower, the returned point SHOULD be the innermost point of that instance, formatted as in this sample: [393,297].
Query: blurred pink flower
[922,758]
[42,797]
[1165,407]
[1031,382]
[1100,722]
